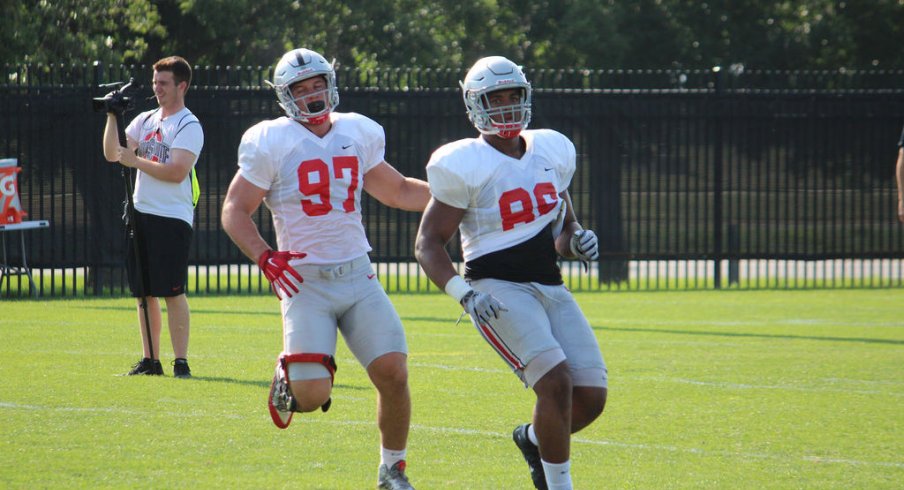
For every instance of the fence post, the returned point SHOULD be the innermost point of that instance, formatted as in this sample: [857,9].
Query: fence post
[719,80]
[96,279]
[612,269]
[734,248]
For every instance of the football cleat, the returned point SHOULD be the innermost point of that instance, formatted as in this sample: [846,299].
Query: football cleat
[393,478]
[280,402]
[531,454]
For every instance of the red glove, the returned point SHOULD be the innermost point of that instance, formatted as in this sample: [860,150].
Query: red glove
[275,265]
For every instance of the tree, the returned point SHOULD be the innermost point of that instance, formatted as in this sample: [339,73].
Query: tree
[64,31]
[764,34]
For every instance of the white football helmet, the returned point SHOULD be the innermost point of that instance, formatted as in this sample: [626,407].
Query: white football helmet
[295,66]
[488,75]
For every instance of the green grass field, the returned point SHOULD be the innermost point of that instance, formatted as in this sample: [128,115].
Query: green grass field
[708,389]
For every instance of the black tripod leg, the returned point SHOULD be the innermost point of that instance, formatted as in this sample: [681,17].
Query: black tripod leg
[134,231]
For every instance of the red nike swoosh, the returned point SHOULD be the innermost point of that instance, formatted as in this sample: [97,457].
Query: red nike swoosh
[371,276]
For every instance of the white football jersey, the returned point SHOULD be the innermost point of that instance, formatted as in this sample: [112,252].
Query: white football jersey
[508,201]
[157,137]
[314,184]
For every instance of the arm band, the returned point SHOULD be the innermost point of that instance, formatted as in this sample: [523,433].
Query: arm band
[457,288]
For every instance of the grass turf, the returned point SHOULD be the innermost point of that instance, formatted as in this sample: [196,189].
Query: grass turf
[708,389]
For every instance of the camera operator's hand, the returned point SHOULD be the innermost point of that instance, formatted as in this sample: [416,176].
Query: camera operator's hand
[115,102]
[126,157]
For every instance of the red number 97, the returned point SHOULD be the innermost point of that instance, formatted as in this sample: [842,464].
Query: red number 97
[321,186]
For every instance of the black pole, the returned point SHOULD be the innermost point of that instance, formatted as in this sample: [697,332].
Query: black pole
[132,228]
[718,169]
[139,274]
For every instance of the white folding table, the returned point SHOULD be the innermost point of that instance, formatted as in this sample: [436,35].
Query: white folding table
[6,269]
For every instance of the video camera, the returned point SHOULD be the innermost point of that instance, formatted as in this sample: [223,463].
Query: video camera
[116,101]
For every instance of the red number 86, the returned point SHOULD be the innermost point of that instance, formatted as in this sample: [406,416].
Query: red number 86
[545,195]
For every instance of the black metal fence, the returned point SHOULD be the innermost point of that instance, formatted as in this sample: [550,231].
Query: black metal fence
[692,179]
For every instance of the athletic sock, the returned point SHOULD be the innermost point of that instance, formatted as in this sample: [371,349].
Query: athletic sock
[390,457]
[558,475]
[532,435]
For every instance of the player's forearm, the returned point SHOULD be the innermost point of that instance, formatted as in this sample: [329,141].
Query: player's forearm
[408,194]
[244,233]
[111,139]
[435,261]
[414,194]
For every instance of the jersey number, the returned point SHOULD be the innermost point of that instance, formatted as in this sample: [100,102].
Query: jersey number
[321,186]
[516,205]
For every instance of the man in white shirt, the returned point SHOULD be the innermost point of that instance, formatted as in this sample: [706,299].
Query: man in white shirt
[309,168]
[163,145]
[506,191]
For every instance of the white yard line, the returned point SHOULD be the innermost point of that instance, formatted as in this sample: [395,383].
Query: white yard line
[744,386]
[483,433]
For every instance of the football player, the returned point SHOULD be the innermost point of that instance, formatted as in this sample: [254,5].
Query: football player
[506,191]
[309,168]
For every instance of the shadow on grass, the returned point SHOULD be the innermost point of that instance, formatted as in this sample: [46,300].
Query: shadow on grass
[274,312]
[754,335]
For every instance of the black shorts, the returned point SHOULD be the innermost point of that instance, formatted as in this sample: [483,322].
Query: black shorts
[164,245]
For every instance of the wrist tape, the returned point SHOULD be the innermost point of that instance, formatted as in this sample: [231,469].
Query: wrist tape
[457,288]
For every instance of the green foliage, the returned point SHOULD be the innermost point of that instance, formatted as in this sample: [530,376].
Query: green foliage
[714,390]
[249,32]
[761,34]
[63,31]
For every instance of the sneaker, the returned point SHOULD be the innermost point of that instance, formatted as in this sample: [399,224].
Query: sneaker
[531,454]
[393,478]
[181,369]
[146,366]
[281,402]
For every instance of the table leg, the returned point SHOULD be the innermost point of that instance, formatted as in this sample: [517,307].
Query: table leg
[4,270]
[31,282]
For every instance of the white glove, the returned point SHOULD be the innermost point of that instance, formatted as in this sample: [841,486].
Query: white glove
[584,245]
[482,306]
